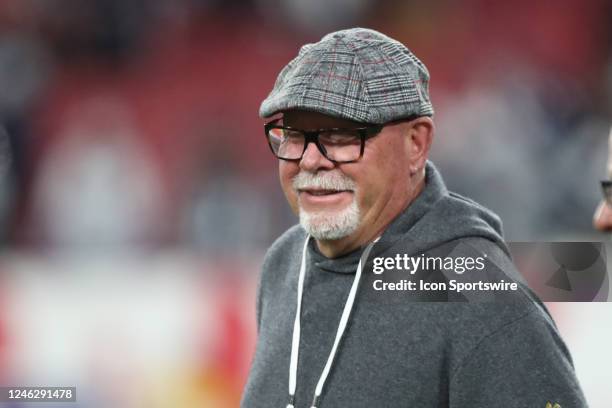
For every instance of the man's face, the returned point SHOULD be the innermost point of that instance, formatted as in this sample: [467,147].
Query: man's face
[338,200]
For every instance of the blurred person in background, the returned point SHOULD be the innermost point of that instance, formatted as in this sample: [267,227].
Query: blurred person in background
[602,219]
[353,142]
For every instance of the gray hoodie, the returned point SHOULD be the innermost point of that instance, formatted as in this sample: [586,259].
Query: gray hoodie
[417,354]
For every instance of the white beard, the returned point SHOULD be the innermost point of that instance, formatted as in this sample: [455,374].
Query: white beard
[324,225]
[328,225]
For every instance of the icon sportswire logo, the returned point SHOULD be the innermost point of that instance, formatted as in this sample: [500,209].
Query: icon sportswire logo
[555,405]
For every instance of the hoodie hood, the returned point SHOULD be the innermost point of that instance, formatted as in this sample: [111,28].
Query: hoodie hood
[435,217]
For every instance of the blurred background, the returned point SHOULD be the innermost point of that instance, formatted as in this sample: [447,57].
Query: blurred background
[138,195]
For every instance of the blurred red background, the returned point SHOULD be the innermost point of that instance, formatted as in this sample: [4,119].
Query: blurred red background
[138,196]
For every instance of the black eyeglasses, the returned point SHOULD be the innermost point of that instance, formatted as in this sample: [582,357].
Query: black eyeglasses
[336,144]
[606,188]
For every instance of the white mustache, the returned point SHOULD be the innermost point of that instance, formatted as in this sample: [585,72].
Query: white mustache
[320,181]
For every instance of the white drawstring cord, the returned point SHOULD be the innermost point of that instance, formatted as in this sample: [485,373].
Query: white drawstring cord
[295,344]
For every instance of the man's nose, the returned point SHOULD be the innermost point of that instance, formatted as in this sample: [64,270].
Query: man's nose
[602,220]
[313,160]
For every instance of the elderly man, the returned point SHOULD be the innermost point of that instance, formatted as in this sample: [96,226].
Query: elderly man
[351,121]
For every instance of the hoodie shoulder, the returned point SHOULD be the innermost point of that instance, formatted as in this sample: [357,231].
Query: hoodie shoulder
[475,211]
[475,322]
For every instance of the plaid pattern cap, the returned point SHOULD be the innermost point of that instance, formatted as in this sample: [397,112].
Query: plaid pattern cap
[357,74]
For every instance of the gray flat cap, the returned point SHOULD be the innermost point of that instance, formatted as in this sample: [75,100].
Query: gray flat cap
[357,74]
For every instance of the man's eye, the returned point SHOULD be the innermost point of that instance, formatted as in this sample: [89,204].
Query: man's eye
[292,136]
[339,138]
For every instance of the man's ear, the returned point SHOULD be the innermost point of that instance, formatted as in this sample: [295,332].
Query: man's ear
[421,135]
